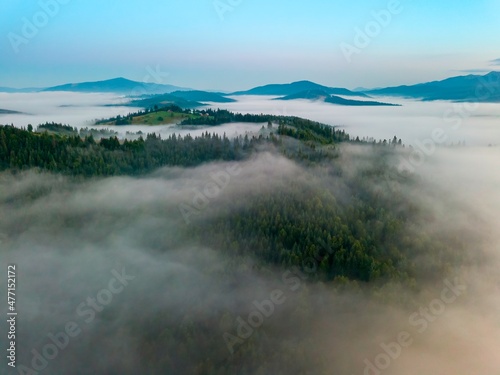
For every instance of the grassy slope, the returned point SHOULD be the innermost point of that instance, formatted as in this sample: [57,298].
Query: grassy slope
[157,118]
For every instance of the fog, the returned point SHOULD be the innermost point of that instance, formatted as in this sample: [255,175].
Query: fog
[230,130]
[69,239]
[476,124]
[81,111]
[71,108]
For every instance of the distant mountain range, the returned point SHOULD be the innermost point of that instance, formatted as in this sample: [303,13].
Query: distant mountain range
[333,99]
[295,88]
[118,86]
[470,88]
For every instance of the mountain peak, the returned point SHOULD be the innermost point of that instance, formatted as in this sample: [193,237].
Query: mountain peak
[119,79]
[296,88]
[468,88]
[493,73]
[304,81]
[118,85]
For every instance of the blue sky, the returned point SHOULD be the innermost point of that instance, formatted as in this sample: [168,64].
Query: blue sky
[238,44]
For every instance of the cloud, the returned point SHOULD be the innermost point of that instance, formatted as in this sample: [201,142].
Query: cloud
[495,62]
[473,71]
[67,237]
[419,119]
[412,121]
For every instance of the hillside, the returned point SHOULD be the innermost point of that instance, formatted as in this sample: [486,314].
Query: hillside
[295,88]
[163,100]
[156,116]
[333,99]
[202,96]
[357,103]
[470,88]
[118,86]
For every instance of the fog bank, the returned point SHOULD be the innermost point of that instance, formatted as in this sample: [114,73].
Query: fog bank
[69,241]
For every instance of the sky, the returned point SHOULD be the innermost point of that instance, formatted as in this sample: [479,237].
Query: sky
[238,44]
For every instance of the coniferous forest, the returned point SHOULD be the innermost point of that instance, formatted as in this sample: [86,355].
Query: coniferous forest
[311,210]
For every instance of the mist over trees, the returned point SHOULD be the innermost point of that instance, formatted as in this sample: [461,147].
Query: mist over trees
[70,151]
[285,252]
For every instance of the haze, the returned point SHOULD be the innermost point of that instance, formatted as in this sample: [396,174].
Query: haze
[234,45]
[68,249]
[476,124]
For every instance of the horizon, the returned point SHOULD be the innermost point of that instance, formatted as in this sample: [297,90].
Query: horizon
[228,45]
[240,89]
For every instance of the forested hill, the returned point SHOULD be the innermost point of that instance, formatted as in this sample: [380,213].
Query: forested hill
[311,209]
[358,253]
[362,247]
[76,155]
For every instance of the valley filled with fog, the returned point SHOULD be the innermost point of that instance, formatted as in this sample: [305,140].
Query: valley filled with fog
[475,123]
[160,273]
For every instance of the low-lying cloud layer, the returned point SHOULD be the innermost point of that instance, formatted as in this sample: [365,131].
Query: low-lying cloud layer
[476,124]
[113,259]
[75,109]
